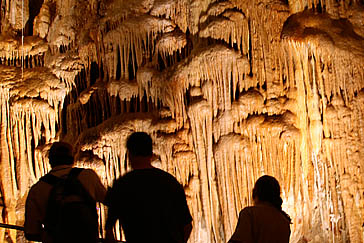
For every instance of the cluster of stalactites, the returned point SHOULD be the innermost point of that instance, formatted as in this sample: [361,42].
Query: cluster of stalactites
[15,14]
[126,47]
[255,153]
[34,100]
[325,64]
[176,10]
[333,7]
[223,22]
[33,121]
[169,44]
[311,44]
[220,80]
[66,67]
[16,52]
[262,37]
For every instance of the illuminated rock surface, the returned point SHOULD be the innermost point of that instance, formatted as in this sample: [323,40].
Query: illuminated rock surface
[229,91]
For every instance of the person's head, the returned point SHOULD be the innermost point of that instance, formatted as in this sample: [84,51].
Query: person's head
[140,148]
[60,153]
[267,189]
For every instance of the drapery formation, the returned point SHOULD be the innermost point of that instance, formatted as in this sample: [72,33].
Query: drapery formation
[228,90]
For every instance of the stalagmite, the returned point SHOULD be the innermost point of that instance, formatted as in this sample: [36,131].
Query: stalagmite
[42,21]
[232,164]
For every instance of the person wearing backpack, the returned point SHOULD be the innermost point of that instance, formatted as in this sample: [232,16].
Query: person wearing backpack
[61,206]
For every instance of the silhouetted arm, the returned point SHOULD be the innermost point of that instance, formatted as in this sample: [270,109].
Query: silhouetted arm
[112,201]
[183,212]
[32,224]
[187,232]
[243,231]
[93,185]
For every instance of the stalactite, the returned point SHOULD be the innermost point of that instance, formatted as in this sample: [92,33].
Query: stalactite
[42,21]
[174,10]
[232,160]
[170,85]
[335,8]
[11,47]
[170,43]
[346,43]
[133,45]
[23,112]
[319,65]
[65,67]
[8,181]
[200,114]
[18,13]
[264,57]
[123,89]
[231,26]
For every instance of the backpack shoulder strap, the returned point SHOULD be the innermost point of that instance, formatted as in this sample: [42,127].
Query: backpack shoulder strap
[51,179]
[74,173]
[76,185]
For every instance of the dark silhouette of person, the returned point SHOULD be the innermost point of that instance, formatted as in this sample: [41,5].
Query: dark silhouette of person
[265,222]
[149,203]
[37,203]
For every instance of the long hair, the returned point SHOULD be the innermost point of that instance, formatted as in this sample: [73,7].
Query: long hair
[267,189]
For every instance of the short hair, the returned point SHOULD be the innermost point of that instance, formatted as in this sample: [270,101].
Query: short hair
[267,189]
[140,144]
[60,153]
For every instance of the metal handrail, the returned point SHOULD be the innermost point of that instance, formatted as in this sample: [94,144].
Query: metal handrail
[21,228]
[10,226]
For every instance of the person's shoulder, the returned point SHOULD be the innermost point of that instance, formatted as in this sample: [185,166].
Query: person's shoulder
[35,187]
[148,171]
[86,171]
[88,176]
[162,172]
[247,210]
[44,180]
[165,174]
[38,188]
[123,179]
[260,208]
[154,174]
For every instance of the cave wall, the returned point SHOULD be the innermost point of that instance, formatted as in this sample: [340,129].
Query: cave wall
[229,90]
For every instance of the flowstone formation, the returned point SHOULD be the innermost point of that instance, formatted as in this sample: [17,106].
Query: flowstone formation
[229,91]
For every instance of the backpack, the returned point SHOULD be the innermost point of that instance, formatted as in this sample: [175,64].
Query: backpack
[71,214]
